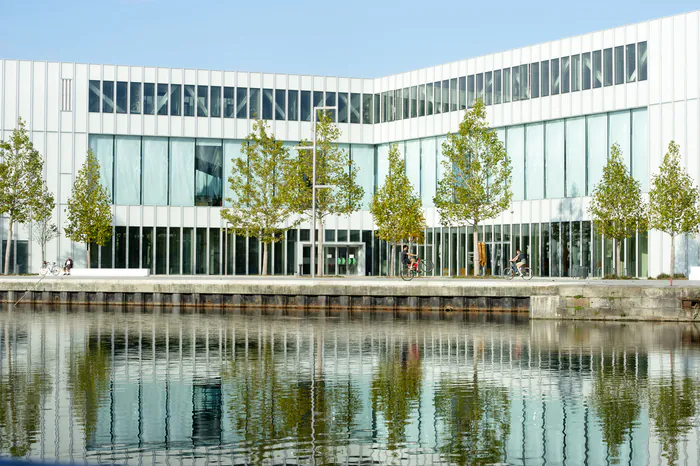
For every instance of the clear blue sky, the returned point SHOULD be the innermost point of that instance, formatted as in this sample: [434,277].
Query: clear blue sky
[358,38]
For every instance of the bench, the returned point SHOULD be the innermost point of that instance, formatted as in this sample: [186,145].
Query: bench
[111,273]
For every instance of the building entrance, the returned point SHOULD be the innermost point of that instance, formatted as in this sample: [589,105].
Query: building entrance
[338,259]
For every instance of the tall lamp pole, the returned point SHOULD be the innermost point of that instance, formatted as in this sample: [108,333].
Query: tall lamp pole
[314,186]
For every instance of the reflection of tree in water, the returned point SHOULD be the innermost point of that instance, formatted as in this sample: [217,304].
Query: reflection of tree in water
[396,390]
[616,401]
[476,420]
[672,408]
[88,381]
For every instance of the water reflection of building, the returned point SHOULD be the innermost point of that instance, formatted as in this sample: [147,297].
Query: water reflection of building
[184,383]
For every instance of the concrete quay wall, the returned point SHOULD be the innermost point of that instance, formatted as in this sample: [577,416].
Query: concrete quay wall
[561,300]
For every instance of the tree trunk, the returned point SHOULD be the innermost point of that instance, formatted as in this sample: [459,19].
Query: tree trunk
[319,246]
[43,252]
[89,255]
[8,248]
[618,262]
[475,235]
[391,261]
[673,256]
[264,259]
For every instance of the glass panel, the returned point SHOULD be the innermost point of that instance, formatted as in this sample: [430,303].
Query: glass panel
[342,107]
[175,99]
[202,101]
[280,104]
[437,87]
[515,83]
[515,147]
[406,105]
[575,157]
[524,82]
[215,251]
[414,102]
[534,252]
[429,98]
[631,63]
[241,254]
[208,172]
[428,162]
[367,109]
[106,255]
[120,247]
[241,102]
[149,98]
[376,108]
[586,246]
[497,95]
[446,96]
[267,104]
[620,64]
[576,73]
[108,96]
[181,172]
[463,89]
[161,250]
[535,161]
[382,168]
[555,159]
[643,262]
[480,86]
[355,108]
[397,102]
[384,106]
[619,131]
[413,164]
[292,266]
[329,235]
[229,102]
[642,63]
[254,104]
[597,69]
[121,97]
[147,248]
[187,250]
[331,102]
[94,96]
[188,101]
[488,96]
[174,254]
[471,91]
[162,99]
[200,251]
[566,249]
[555,240]
[556,79]
[545,255]
[134,98]
[305,106]
[545,78]
[292,105]
[453,95]
[597,156]
[565,75]
[155,163]
[253,256]
[640,148]
[608,67]
[421,100]
[535,80]
[586,71]
[103,148]
[215,102]
[363,159]
[127,166]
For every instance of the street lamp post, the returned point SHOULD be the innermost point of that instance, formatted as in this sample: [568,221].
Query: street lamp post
[314,186]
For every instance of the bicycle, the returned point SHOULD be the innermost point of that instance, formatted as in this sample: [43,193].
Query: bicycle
[419,267]
[511,272]
[49,267]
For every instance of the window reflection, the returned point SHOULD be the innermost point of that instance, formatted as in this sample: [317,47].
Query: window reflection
[555,76]
[597,69]
[488,99]
[254,104]
[149,98]
[565,75]
[576,73]
[620,64]
[267,104]
[135,98]
[631,63]
[608,67]
[586,71]
[175,100]
[94,97]
[241,102]
[162,100]
[463,91]
[215,101]
[121,97]
[342,107]
[107,96]
[429,98]
[305,105]
[202,101]
[189,100]
[355,108]
[292,105]
[506,85]
[208,172]
[535,80]
[367,109]
[229,102]
[421,100]
[498,86]
[642,60]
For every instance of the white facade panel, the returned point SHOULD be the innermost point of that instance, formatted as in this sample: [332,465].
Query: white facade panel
[11,75]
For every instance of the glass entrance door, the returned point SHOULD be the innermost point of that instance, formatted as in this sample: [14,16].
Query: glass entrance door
[343,260]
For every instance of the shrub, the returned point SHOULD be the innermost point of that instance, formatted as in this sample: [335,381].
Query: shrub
[663,276]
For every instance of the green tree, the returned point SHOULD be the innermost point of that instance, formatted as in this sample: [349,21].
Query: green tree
[260,204]
[476,182]
[334,168]
[397,210]
[673,200]
[43,229]
[617,206]
[22,187]
[672,407]
[89,211]
[88,381]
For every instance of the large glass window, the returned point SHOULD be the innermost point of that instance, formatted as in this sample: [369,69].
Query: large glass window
[147,249]
[241,102]
[122,98]
[545,77]
[640,147]
[535,80]
[155,165]
[200,251]
[642,61]
[162,99]
[488,96]
[215,251]
[506,85]
[127,167]
[292,105]
[181,171]
[597,69]
[187,250]
[413,163]
[94,97]
[524,82]
[280,104]
[406,105]
[575,73]
[515,146]
[215,102]
[397,102]
[367,109]
[208,172]
[305,105]
[555,159]
[107,96]
[620,64]
[597,148]
[534,161]
[120,247]
[254,104]
[556,78]
[429,98]
[331,102]
[497,87]
[355,107]
[202,101]
[363,157]
[174,253]
[134,98]
[267,104]
[385,106]
[463,91]
[608,67]
[414,101]
[619,132]
[229,102]
[175,99]
[586,71]
[480,87]
[342,107]
[446,96]
[428,174]
[631,63]
[377,108]
[149,98]
[516,83]
[421,100]
[453,94]
[188,101]
[576,157]
[565,75]
[103,148]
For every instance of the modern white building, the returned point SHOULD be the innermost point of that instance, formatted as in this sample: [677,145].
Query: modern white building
[165,138]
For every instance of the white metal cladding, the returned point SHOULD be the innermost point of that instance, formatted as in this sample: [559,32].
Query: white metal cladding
[37,93]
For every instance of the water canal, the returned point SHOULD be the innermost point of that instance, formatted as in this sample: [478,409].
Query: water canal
[146,387]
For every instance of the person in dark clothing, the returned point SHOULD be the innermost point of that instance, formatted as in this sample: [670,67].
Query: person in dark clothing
[518,261]
[407,258]
[67,266]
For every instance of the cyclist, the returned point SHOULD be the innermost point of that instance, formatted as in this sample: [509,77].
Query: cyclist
[407,258]
[518,261]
